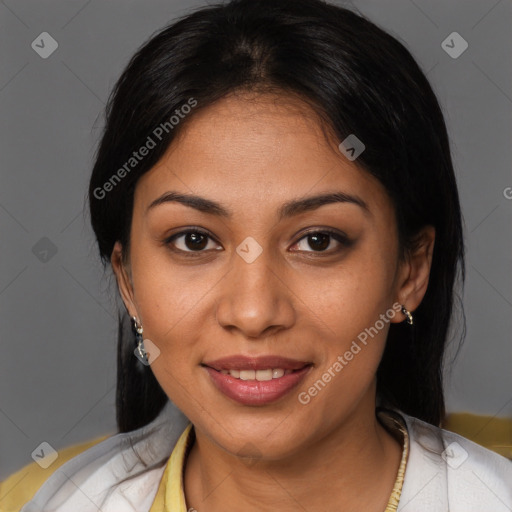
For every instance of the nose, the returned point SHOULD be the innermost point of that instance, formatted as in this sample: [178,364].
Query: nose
[255,298]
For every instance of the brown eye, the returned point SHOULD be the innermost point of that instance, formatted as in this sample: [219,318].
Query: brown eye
[191,241]
[195,241]
[320,241]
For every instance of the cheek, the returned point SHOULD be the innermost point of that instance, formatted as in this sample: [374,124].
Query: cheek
[167,296]
[352,296]
[348,308]
[169,317]
[168,303]
[349,364]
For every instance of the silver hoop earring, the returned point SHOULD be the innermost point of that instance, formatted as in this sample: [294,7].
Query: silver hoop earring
[408,315]
[139,339]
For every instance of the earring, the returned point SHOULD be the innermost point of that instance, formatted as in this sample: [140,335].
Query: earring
[139,340]
[408,315]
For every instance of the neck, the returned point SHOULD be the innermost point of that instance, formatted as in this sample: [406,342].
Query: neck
[338,469]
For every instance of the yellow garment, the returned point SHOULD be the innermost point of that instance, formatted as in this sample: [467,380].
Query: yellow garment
[171,496]
[489,431]
[21,486]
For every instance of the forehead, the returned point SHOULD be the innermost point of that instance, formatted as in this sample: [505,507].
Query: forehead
[257,150]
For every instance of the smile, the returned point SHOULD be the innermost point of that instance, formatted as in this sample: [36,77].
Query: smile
[256,381]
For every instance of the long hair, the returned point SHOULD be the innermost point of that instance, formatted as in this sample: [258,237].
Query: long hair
[359,80]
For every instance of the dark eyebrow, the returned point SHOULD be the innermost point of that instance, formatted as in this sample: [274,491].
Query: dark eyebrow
[199,203]
[298,206]
[289,209]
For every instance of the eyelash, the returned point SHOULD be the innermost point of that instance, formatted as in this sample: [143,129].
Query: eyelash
[342,239]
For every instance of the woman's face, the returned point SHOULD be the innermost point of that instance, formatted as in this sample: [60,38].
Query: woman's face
[252,283]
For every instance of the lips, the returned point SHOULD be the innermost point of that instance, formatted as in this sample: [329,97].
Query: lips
[237,377]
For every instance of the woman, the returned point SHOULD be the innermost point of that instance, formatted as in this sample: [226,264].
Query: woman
[275,193]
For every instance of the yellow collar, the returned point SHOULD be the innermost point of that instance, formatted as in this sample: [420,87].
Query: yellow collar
[170,495]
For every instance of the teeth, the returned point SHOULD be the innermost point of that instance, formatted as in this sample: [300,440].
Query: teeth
[264,375]
[260,375]
[247,374]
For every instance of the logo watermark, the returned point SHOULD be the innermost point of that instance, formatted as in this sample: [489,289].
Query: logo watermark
[304,397]
[151,142]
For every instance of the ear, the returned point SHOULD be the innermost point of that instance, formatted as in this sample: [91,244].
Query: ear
[414,273]
[123,277]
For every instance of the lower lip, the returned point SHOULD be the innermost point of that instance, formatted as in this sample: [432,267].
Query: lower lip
[254,392]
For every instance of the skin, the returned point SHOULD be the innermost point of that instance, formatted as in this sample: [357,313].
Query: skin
[252,154]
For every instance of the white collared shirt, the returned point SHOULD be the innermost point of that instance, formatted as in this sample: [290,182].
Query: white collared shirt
[445,472]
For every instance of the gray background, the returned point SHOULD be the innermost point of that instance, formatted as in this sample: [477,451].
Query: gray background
[58,328]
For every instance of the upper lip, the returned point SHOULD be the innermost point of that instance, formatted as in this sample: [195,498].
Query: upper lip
[240,362]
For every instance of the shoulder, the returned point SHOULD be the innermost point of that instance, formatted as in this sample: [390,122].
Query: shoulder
[122,472]
[492,432]
[21,486]
[458,450]
[453,471]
